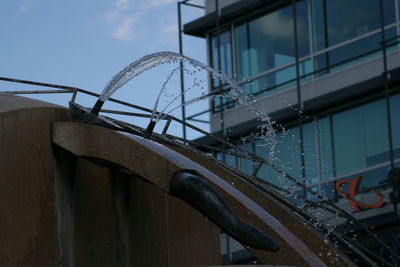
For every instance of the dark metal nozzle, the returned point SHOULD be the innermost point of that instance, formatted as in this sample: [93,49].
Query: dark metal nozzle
[97,107]
[149,129]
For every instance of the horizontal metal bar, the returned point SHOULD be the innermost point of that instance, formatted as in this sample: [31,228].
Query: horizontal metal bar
[323,51]
[133,114]
[25,92]
[37,83]
[197,114]
[391,39]
[197,120]
[192,5]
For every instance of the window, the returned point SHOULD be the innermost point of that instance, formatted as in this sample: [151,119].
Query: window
[287,157]
[271,40]
[265,43]
[268,42]
[221,57]
[303,33]
[247,166]
[343,145]
[395,119]
[360,137]
[326,149]
[337,21]
[221,60]
[310,152]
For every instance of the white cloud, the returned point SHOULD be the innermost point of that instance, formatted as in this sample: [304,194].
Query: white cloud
[158,3]
[26,5]
[129,18]
[23,7]
[169,34]
[123,4]
[112,15]
[125,30]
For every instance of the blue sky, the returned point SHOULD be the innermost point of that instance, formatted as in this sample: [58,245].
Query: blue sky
[84,43]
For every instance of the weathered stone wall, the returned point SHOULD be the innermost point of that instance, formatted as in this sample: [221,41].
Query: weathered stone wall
[74,194]
[57,209]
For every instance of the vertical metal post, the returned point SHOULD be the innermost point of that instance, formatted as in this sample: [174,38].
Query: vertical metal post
[299,99]
[222,123]
[181,72]
[311,39]
[385,75]
[326,37]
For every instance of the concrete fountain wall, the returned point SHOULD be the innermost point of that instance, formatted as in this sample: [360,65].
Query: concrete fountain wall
[74,194]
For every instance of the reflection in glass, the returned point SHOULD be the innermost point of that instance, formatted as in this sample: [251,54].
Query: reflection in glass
[230,159]
[318,24]
[395,120]
[246,165]
[310,152]
[287,157]
[225,54]
[364,129]
[266,42]
[337,21]
[302,28]
[326,148]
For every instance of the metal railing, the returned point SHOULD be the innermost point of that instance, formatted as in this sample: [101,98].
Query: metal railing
[278,192]
[390,42]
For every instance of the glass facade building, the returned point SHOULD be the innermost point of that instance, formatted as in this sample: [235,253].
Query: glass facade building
[329,72]
[292,44]
[308,39]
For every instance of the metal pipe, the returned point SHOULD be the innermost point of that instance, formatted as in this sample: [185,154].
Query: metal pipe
[38,92]
[183,108]
[385,75]
[198,193]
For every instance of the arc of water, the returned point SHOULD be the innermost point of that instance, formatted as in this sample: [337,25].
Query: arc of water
[146,63]
[152,60]
[162,90]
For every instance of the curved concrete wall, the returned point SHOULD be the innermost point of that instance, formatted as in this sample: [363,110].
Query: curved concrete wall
[79,195]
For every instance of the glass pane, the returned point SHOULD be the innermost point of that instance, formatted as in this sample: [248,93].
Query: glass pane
[223,61]
[214,57]
[318,24]
[389,7]
[395,119]
[216,104]
[286,157]
[270,41]
[288,152]
[360,137]
[310,152]
[348,19]
[274,81]
[265,172]
[302,28]
[364,48]
[280,79]
[272,38]
[376,133]
[325,148]
[229,159]
[226,53]
[246,165]
[356,51]
[328,190]
[219,156]
[242,51]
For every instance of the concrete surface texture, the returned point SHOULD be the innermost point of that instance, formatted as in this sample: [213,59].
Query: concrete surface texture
[74,194]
